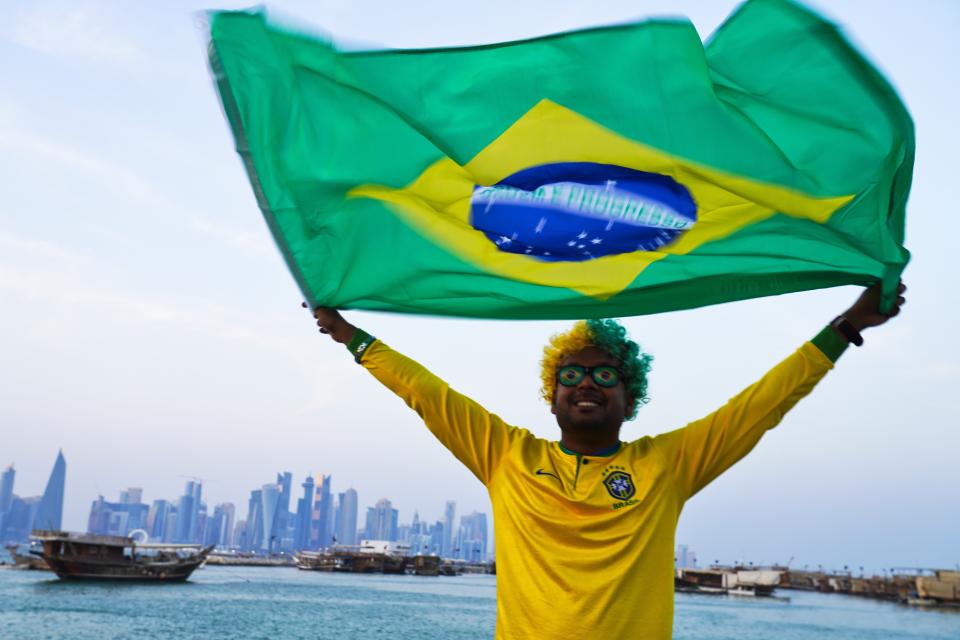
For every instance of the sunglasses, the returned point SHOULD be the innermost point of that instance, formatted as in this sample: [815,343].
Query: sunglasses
[573,374]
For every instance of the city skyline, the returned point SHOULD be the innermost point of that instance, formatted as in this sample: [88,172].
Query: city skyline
[76,511]
[319,520]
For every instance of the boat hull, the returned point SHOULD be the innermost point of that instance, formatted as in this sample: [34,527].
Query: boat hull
[82,570]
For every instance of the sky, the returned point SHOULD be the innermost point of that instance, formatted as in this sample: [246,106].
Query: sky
[149,328]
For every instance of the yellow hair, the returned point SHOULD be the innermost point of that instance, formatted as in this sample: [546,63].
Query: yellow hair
[560,346]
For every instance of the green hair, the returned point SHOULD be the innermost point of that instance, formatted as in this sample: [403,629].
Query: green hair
[606,334]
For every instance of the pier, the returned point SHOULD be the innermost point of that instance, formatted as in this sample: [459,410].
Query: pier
[914,586]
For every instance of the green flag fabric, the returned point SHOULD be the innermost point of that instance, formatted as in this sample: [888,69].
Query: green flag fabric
[615,171]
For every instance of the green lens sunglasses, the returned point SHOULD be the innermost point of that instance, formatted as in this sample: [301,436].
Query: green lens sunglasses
[573,374]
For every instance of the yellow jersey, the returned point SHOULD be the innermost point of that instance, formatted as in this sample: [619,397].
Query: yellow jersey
[585,544]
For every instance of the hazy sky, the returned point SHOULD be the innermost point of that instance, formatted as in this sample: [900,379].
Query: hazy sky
[149,328]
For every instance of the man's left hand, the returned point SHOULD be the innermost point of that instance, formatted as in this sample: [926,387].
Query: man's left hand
[865,312]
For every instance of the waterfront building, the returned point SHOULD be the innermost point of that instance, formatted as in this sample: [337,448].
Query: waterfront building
[20,518]
[415,524]
[6,488]
[438,537]
[188,508]
[116,518]
[239,540]
[229,511]
[170,526]
[419,538]
[133,495]
[301,536]
[473,537]
[49,513]
[254,537]
[381,521]
[280,531]
[157,519]
[322,520]
[201,526]
[686,558]
[219,526]
[6,498]
[449,513]
[269,497]
[337,504]
[346,530]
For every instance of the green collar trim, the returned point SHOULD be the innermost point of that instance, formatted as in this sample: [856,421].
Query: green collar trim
[606,453]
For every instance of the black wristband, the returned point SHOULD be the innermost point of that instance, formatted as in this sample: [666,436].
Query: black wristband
[847,330]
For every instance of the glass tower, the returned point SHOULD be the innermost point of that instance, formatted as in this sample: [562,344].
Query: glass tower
[50,511]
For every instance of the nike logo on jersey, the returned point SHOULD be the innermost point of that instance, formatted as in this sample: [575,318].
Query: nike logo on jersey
[541,472]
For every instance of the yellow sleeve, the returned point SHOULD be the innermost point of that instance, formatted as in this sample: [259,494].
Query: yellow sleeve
[477,438]
[704,449]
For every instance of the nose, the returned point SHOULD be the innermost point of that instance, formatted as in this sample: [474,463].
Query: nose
[588,382]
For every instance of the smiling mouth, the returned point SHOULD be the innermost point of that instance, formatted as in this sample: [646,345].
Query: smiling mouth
[586,404]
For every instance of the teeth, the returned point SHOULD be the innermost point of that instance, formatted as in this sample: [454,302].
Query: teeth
[587,403]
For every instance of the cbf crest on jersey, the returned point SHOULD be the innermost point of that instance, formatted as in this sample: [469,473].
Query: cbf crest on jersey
[619,485]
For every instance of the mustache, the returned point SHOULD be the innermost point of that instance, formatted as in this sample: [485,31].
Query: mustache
[588,396]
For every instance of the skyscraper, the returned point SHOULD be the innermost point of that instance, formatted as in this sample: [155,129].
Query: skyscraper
[240,535]
[6,489]
[281,518]
[133,495]
[381,521]
[686,558]
[473,537]
[170,526]
[322,513]
[269,498]
[229,514]
[347,522]
[219,526]
[116,518]
[6,498]
[438,536]
[201,524]
[301,536]
[254,536]
[419,536]
[188,507]
[23,512]
[157,519]
[50,512]
[449,513]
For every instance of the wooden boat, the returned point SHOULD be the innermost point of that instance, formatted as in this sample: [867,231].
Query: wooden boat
[732,581]
[426,565]
[94,557]
[360,560]
[341,561]
[21,561]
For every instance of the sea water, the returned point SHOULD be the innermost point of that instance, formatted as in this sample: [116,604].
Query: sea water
[270,602]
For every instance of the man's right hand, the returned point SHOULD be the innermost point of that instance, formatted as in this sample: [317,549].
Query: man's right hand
[332,323]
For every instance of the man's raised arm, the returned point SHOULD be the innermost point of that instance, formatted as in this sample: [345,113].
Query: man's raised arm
[476,437]
[704,449]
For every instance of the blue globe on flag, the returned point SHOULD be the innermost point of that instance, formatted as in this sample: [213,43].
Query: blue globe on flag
[577,211]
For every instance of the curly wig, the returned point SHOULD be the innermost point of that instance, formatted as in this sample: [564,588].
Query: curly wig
[606,334]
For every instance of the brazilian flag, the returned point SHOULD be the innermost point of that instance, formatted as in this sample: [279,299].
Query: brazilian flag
[614,171]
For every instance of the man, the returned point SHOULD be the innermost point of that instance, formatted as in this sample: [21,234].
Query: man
[585,526]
